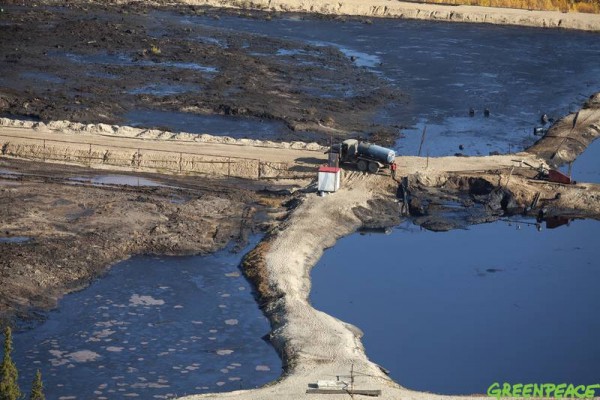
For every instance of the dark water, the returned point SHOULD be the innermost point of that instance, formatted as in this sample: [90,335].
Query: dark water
[454,312]
[15,239]
[153,327]
[163,89]
[517,73]
[586,168]
[237,127]
[127,180]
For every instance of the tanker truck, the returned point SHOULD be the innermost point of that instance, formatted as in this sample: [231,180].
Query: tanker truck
[365,156]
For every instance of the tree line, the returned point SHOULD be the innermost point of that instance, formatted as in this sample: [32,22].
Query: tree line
[9,375]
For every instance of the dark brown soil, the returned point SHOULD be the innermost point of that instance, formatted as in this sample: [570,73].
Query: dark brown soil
[86,62]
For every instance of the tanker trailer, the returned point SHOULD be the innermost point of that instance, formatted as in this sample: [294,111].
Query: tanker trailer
[366,156]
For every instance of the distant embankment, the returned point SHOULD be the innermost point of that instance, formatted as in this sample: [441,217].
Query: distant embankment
[571,135]
[127,148]
[398,9]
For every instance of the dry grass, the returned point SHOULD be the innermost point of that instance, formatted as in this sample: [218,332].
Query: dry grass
[584,6]
[273,202]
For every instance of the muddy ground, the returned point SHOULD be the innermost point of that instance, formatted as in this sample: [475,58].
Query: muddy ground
[76,229]
[90,63]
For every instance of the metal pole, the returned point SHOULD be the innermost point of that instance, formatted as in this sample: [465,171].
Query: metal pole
[422,140]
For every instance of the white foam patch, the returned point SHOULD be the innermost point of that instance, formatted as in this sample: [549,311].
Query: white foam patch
[83,356]
[57,353]
[80,356]
[262,368]
[137,300]
[224,352]
[231,321]
[104,333]
[114,349]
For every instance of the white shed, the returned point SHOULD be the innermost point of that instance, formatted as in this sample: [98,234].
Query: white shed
[329,179]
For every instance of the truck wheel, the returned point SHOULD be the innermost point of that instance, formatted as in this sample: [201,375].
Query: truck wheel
[361,165]
[373,167]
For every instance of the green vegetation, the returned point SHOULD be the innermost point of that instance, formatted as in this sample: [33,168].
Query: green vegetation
[155,50]
[37,387]
[584,6]
[9,388]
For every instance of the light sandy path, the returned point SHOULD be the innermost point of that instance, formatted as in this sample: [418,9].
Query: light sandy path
[29,135]
[407,165]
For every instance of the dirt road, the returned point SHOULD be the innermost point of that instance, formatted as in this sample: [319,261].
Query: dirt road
[17,136]
[106,147]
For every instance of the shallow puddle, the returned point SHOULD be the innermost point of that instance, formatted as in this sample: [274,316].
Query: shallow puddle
[153,327]
[117,180]
[42,76]
[163,89]
[8,172]
[15,239]
[125,60]
[454,312]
